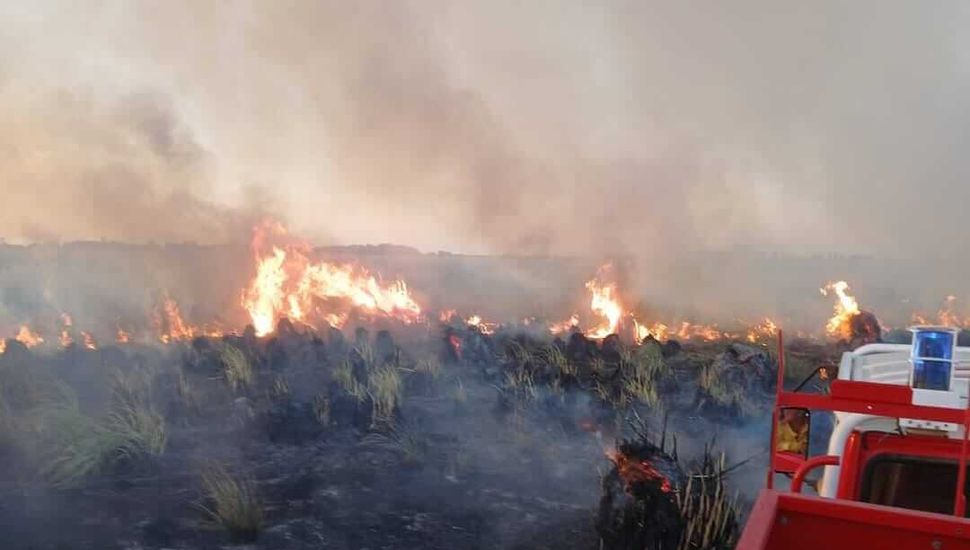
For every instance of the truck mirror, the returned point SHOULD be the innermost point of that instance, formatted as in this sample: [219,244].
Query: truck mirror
[793,428]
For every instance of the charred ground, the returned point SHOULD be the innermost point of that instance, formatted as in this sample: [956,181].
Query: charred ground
[433,437]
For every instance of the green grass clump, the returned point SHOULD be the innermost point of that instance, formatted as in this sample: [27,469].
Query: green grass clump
[385,391]
[641,367]
[232,503]
[237,368]
[410,442]
[322,410]
[640,387]
[430,366]
[79,446]
[721,391]
[558,362]
[344,375]
[520,383]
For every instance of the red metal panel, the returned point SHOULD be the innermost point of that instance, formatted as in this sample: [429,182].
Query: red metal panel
[798,522]
[851,464]
[871,391]
[960,499]
[760,521]
[787,462]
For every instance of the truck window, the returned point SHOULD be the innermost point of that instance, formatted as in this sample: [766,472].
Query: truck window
[910,482]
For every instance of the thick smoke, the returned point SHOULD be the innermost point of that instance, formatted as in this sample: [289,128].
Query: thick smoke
[499,127]
[641,129]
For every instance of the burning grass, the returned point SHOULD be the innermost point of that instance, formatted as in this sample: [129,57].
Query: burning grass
[649,502]
[327,399]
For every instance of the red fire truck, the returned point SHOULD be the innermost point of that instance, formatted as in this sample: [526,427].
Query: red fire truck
[894,475]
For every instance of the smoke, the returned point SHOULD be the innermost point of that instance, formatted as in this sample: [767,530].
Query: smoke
[500,127]
[646,130]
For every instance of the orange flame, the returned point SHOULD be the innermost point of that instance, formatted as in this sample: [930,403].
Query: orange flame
[28,337]
[604,303]
[565,326]
[169,323]
[122,337]
[287,283]
[763,330]
[3,346]
[637,471]
[845,309]
[88,340]
[483,327]
[445,315]
[455,342]
[946,316]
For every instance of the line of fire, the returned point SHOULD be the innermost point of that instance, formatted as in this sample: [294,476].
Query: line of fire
[866,436]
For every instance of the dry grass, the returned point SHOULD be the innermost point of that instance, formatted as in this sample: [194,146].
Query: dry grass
[189,398]
[411,444]
[554,357]
[460,394]
[430,366]
[520,383]
[280,390]
[344,374]
[232,503]
[79,446]
[385,390]
[237,369]
[639,387]
[322,410]
[710,515]
[517,355]
[721,392]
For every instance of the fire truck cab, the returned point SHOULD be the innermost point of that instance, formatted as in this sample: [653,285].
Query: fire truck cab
[894,474]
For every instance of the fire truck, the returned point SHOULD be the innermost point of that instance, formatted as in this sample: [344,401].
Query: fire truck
[895,472]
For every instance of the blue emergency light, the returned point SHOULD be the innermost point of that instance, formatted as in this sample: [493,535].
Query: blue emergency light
[932,357]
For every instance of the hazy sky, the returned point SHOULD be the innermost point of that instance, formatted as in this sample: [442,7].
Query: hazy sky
[566,127]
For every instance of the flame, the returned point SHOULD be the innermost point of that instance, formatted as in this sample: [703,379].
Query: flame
[169,323]
[946,316]
[845,309]
[88,340]
[287,283]
[763,330]
[640,332]
[565,326]
[708,333]
[28,337]
[445,315]
[637,471]
[122,337]
[455,342]
[604,303]
[483,327]
[65,338]
[3,346]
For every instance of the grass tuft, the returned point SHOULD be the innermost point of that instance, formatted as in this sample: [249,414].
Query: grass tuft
[232,503]
[710,515]
[80,446]
[384,388]
[237,369]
